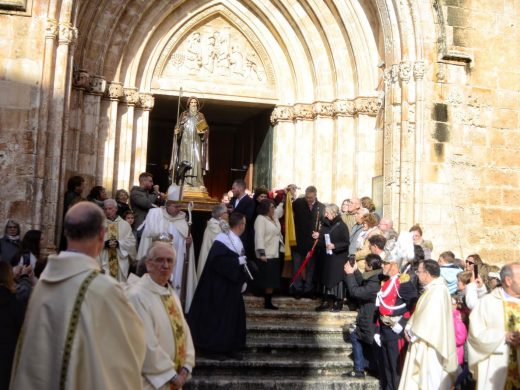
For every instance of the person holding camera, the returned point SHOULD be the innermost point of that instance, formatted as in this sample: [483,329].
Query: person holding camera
[363,287]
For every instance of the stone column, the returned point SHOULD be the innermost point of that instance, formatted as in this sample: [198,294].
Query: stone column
[302,147]
[108,126]
[53,174]
[366,110]
[324,150]
[406,199]
[51,33]
[392,144]
[146,102]
[346,172]
[98,86]
[88,146]
[418,74]
[283,137]
[126,131]
[72,142]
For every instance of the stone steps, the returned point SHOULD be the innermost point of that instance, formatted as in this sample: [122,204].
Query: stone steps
[291,348]
[328,383]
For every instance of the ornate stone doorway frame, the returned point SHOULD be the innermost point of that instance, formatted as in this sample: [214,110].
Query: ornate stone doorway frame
[324,81]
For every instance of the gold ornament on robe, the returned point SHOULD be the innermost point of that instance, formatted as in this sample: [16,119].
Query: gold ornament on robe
[179,334]
[113,262]
[512,324]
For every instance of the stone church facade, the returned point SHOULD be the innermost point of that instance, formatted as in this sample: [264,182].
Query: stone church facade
[432,135]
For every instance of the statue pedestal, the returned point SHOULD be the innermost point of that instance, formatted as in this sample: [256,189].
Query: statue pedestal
[200,198]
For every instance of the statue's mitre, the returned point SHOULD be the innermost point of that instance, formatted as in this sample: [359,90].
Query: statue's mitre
[163,237]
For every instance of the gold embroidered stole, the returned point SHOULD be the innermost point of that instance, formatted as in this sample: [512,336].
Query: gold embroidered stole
[512,324]
[179,334]
[113,263]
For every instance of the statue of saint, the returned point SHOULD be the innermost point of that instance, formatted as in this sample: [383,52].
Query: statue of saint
[190,143]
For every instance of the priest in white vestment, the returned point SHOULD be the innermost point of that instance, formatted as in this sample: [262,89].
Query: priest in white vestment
[218,221]
[494,334]
[170,354]
[80,331]
[120,247]
[431,361]
[169,219]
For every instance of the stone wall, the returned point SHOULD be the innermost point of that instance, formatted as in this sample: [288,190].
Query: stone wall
[472,163]
[22,39]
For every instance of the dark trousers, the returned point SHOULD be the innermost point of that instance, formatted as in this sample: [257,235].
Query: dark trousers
[389,359]
[301,285]
[364,354]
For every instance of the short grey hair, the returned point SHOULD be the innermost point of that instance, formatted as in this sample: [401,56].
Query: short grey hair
[333,209]
[109,202]
[218,210]
[159,244]
[363,211]
[507,270]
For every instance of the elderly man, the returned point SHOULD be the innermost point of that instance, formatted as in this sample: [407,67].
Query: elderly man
[170,355]
[387,227]
[217,223]
[431,361]
[80,331]
[494,334]
[307,213]
[353,205]
[170,220]
[120,248]
[144,197]
[217,317]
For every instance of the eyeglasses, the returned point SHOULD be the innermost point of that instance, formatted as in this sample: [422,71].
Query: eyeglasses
[469,262]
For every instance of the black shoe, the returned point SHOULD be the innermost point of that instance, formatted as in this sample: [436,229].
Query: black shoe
[323,307]
[353,374]
[270,306]
[297,295]
[234,356]
[309,294]
[336,308]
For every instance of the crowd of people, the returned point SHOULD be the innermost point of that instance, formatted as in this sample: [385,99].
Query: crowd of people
[128,264]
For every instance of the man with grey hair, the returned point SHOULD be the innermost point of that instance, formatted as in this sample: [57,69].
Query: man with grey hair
[353,205]
[170,355]
[494,334]
[387,227]
[120,247]
[80,331]
[356,231]
[217,224]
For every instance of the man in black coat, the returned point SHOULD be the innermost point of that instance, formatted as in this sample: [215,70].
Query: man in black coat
[307,212]
[217,316]
[363,287]
[245,205]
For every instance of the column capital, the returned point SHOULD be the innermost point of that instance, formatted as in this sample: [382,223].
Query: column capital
[130,96]
[67,34]
[344,107]
[323,109]
[114,90]
[405,71]
[282,114]
[51,29]
[97,85]
[81,79]
[418,70]
[303,111]
[146,101]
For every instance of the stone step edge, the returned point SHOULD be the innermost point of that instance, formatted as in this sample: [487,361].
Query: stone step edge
[271,361]
[296,327]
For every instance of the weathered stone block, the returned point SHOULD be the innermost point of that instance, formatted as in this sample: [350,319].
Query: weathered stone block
[457,16]
[505,119]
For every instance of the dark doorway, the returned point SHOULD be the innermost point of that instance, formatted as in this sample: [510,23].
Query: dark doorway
[240,143]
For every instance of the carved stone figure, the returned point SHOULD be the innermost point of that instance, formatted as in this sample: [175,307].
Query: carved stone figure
[190,143]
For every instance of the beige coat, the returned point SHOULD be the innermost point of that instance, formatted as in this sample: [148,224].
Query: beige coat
[268,236]
[108,349]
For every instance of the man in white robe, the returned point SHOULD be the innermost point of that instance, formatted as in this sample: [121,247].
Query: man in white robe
[494,334]
[219,218]
[170,219]
[80,331]
[431,361]
[120,248]
[170,354]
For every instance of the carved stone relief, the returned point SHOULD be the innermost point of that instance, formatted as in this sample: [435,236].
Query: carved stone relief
[114,91]
[303,112]
[216,49]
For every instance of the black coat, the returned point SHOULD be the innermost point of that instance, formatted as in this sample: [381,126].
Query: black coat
[364,288]
[305,223]
[10,251]
[247,206]
[331,266]
[217,316]
[11,318]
